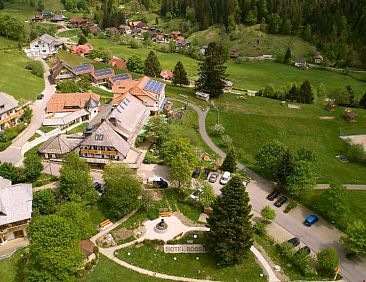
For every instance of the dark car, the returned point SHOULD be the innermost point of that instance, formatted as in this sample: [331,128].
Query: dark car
[206,172]
[213,177]
[273,195]
[306,250]
[196,172]
[281,201]
[40,97]
[310,220]
[294,241]
[99,188]
[161,184]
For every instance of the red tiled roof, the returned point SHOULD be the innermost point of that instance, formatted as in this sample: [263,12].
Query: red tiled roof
[118,63]
[59,101]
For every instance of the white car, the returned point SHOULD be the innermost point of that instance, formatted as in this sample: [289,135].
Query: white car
[196,194]
[225,178]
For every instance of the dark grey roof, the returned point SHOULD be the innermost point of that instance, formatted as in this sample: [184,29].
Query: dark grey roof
[91,103]
[8,102]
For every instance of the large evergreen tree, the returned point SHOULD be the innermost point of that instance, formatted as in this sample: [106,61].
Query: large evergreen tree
[229,163]
[288,56]
[362,102]
[230,235]
[285,168]
[152,65]
[212,71]
[180,75]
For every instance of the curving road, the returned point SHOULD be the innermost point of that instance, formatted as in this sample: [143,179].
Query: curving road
[13,153]
[317,237]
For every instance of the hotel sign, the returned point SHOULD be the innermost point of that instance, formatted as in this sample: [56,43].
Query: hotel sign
[186,249]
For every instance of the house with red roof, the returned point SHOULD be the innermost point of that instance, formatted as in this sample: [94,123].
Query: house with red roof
[82,50]
[166,74]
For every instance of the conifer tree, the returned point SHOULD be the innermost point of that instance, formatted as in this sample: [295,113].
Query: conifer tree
[230,235]
[306,93]
[362,102]
[180,75]
[229,163]
[351,96]
[82,40]
[212,71]
[288,56]
[152,65]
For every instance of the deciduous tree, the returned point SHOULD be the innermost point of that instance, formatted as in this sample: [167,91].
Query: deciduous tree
[135,64]
[230,236]
[302,178]
[355,239]
[44,201]
[328,260]
[123,190]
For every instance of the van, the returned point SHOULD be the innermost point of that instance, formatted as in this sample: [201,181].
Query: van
[225,178]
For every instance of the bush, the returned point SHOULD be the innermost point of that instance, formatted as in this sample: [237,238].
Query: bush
[152,214]
[227,141]
[88,265]
[355,152]
[96,250]
[291,205]
[328,260]
[35,67]
[260,227]
[218,129]
[94,261]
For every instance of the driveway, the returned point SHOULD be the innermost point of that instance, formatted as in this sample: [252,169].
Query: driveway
[13,153]
[317,237]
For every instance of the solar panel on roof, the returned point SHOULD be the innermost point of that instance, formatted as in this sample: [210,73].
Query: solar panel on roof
[120,77]
[154,86]
[103,72]
[82,68]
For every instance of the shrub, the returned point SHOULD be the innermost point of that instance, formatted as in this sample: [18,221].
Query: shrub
[218,129]
[94,261]
[355,152]
[96,250]
[88,265]
[291,205]
[328,260]
[260,227]
[152,214]
[35,67]
[227,141]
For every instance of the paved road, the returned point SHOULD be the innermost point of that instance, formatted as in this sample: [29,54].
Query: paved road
[317,237]
[13,152]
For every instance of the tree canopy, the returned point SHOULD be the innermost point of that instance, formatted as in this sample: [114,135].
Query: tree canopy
[180,75]
[135,64]
[123,190]
[152,65]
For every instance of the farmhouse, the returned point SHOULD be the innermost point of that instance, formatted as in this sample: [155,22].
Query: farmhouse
[62,71]
[166,74]
[43,45]
[149,92]
[10,112]
[124,29]
[114,131]
[15,210]
[301,63]
[57,147]
[83,50]
[78,21]
[202,96]
[101,76]
[118,63]
[137,24]
[95,29]
[57,18]
[66,109]
[112,80]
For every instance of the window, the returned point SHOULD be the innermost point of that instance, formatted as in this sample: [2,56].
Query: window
[99,137]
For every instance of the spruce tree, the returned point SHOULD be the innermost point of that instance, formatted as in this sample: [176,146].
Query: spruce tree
[288,56]
[362,102]
[212,71]
[82,40]
[284,168]
[306,93]
[229,163]
[230,236]
[351,96]
[180,75]
[152,65]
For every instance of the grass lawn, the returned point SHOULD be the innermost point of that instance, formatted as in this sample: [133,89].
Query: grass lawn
[357,199]
[43,179]
[7,43]
[150,257]
[167,60]
[22,12]
[46,129]
[70,33]
[79,129]
[256,75]
[244,39]
[107,270]
[12,72]
[255,121]
[10,268]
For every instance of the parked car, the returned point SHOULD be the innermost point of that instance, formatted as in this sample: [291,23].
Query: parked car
[213,177]
[40,97]
[196,194]
[246,182]
[311,219]
[225,178]
[157,182]
[281,201]
[273,195]
[100,188]
[304,249]
[206,172]
[196,173]
[294,241]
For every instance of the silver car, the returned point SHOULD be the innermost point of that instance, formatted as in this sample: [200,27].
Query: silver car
[213,177]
